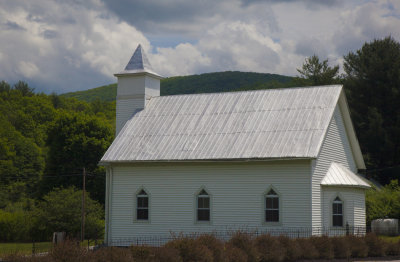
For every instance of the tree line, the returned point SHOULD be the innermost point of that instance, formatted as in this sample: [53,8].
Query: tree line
[45,142]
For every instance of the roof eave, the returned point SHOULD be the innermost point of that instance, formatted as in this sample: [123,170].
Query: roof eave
[355,145]
[107,163]
[138,73]
[352,186]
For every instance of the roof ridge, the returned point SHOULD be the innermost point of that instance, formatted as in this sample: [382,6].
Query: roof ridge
[248,91]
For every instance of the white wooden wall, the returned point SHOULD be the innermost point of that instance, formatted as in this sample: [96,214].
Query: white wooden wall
[236,191]
[335,148]
[353,201]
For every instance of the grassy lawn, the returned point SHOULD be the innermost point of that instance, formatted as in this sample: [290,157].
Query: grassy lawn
[26,248]
[391,239]
[23,248]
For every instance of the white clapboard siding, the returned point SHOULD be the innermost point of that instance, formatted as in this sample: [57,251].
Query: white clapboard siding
[354,205]
[125,109]
[335,148]
[236,191]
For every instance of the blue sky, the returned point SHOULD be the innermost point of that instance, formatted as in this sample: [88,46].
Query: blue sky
[68,45]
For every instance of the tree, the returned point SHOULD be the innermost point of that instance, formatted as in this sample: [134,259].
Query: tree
[313,72]
[4,86]
[76,140]
[383,203]
[24,88]
[60,211]
[373,85]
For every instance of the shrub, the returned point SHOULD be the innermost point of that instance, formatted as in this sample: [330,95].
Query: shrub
[14,226]
[165,254]
[324,246]
[341,247]
[358,247]
[110,254]
[141,253]
[393,249]
[244,241]
[234,254]
[67,251]
[190,250]
[376,246]
[269,249]
[292,248]
[215,245]
[308,249]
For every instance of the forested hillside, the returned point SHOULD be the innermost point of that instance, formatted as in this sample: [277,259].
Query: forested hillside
[193,84]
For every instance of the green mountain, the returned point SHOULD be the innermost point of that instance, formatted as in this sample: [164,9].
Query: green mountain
[192,84]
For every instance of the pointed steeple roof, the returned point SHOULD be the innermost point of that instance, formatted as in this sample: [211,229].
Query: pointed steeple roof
[138,64]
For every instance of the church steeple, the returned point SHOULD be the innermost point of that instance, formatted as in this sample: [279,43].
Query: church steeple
[138,64]
[137,84]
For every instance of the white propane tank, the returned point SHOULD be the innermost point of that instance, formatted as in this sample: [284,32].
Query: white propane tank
[385,226]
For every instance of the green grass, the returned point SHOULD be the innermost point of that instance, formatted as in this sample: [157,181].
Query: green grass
[40,247]
[24,248]
[391,239]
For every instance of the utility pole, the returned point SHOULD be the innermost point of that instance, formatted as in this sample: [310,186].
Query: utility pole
[83,205]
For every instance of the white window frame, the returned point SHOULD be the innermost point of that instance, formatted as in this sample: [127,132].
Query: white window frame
[137,195]
[196,216]
[264,207]
[334,201]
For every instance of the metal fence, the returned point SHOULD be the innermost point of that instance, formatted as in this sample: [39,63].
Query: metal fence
[295,232]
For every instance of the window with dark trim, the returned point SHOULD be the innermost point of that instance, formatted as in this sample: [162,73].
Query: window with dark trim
[337,212]
[271,206]
[142,206]
[203,206]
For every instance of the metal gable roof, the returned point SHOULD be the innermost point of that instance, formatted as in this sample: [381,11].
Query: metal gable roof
[263,124]
[339,175]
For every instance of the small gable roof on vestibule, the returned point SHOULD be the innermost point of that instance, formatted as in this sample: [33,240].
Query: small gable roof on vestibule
[339,175]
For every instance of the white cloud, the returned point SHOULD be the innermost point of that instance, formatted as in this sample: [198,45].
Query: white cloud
[70,45]
[28,69]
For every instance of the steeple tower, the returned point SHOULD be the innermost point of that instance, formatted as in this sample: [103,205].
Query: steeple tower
[137,84]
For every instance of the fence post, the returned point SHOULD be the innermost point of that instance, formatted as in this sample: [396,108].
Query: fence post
[347,229]
[33,248]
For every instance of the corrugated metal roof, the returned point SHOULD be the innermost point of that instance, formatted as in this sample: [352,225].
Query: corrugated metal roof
[275,123]
[339,175]
[138,64]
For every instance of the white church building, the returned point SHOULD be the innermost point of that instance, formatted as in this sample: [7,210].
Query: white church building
[278,159]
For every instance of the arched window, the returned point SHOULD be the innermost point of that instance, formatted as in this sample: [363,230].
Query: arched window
[142,205]
[203,206]
[271,206]
[337,212]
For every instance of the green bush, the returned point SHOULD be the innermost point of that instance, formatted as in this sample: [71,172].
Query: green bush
[15,227]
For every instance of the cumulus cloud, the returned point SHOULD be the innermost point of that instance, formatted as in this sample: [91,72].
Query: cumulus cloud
[65,45]
[364,23]
[75,44]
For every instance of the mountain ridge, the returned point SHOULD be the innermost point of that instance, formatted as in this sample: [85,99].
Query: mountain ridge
[214,82]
